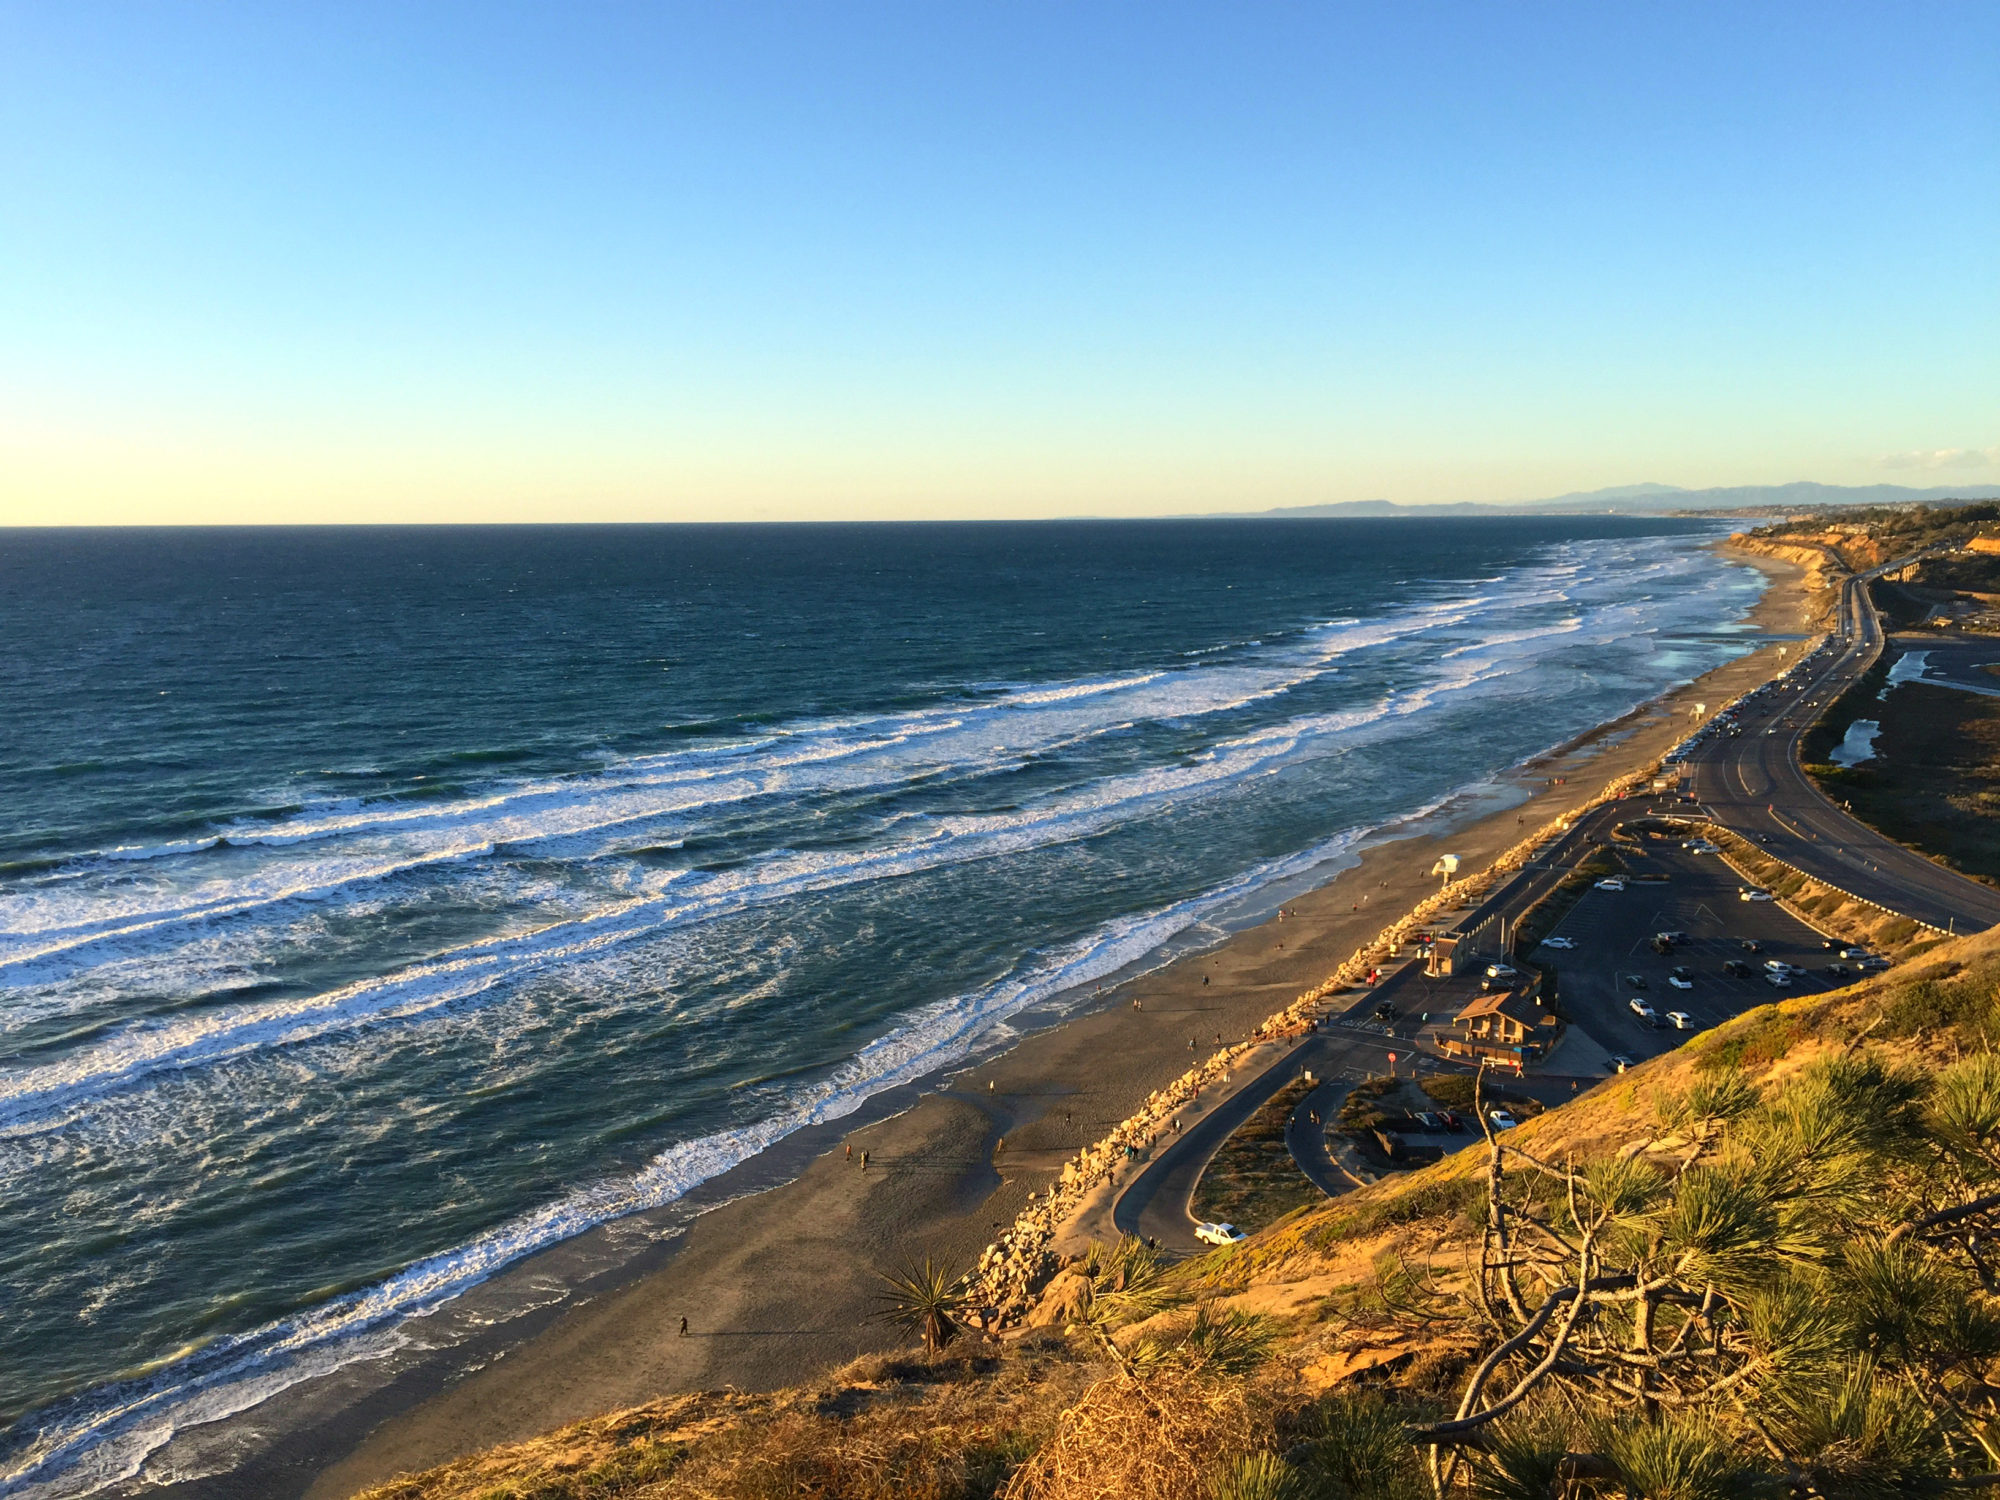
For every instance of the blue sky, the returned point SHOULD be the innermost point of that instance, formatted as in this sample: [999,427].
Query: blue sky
[493,261]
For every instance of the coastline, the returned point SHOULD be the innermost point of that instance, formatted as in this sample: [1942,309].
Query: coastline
[778,1280]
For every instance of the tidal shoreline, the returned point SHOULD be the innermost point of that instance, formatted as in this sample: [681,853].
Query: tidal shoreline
[777,1276]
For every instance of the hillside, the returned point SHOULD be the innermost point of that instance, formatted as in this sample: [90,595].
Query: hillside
[1760,1263]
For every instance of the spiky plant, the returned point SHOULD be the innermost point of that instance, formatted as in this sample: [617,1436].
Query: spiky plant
[1262,1476]
[1214,1341]
[925,1298]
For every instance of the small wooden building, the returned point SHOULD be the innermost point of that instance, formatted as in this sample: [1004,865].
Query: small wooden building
[1507,1026]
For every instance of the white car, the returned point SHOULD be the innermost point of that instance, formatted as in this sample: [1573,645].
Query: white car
[1679,983]
[1620,1062]
[1680,1020]
[1853,953]
[1557,942]
[1500,971]
[1778,981]
[1641,1009]
[1779,966]
[1751,893]
[1611,883]
[1219,1234]
[1501,1119]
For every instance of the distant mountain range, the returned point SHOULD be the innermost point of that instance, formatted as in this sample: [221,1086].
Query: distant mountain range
[1656,500]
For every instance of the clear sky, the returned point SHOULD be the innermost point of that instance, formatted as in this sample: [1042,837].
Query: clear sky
[492,261]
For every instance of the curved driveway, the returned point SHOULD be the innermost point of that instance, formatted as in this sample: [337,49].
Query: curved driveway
[1155,1203]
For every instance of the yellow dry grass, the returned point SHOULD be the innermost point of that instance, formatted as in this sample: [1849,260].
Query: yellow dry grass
[1157,1439]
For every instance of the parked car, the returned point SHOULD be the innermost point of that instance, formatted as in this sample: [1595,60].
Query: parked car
[1873,961]
[1611,883]
[1751,945]
[1642,1010]
[1501,971]
[1837,971]
[1680,1020]
[1425,1120]
[1219,1234]
[1636,981]
[1778,966]
[1557,942]
[1737,967]
[1679,983]
[1778,981]
[1501,1119]
[1620,1062]
[1451,1119]
[1675,937]
[1854,953]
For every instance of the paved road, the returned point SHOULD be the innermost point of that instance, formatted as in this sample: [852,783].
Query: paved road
[1155,1204]
[1752,783]
[1307,1140]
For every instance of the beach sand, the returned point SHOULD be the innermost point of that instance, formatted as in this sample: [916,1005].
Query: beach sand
[780,1285]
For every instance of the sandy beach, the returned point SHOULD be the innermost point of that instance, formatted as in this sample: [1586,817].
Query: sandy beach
[780,1284]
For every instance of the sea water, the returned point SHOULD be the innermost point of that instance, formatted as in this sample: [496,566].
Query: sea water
[380,906]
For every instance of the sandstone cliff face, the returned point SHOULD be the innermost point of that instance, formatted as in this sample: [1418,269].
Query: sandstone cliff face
[1826,553]
[1822,565]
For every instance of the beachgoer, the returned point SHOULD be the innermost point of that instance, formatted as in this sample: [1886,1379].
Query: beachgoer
[684,1327]
[1204,979]
[864,1161]
[850,1151]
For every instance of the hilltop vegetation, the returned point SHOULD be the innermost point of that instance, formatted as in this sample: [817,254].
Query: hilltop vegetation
[1761,1264]
[1858,533]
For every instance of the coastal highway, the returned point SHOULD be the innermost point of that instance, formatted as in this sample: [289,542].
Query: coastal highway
[1752,783]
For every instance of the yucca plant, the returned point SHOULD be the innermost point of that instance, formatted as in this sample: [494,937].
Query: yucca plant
[927,1299]
[1263,1476]
[1213,1342]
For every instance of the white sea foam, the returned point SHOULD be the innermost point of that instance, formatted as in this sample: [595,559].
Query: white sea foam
[85,1446]
[48,1095]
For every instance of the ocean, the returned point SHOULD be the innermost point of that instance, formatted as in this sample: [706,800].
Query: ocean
[379,906]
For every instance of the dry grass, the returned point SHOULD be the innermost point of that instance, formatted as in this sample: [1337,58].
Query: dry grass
[887,1427]
[1163,1438]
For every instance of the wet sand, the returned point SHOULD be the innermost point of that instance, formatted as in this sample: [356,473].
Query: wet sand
[780,1285]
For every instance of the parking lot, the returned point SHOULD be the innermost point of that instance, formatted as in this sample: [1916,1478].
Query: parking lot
[1692,893]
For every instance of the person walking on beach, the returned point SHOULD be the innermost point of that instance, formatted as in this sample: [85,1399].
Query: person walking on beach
[864,1161]
[850,1151]
[684,1327]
